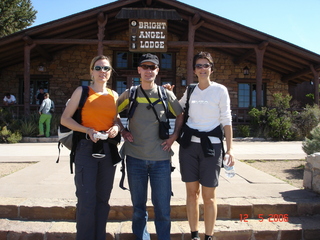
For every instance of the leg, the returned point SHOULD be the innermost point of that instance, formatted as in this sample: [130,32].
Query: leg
[48,122]
[105,177]
[193,191]
[210,209]
[160,181]
[138,183]
[85,180]
[41,122]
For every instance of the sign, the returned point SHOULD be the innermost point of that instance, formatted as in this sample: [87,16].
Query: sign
[148,35]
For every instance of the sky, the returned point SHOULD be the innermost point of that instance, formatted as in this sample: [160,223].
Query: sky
[295,21]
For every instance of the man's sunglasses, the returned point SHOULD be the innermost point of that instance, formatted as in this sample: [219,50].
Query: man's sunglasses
[206,65]
[151,67]
[104,68]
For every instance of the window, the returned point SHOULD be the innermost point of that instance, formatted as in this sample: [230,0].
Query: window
[247,94]
[36,82]
[85,82]
[129,60]
[166,61]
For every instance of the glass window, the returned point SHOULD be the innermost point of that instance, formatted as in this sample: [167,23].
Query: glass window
[135,59]
[247,94]
[166,61]
[121,60]
[85,82]
[121,85]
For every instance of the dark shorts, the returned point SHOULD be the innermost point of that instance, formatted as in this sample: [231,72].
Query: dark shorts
[194,166]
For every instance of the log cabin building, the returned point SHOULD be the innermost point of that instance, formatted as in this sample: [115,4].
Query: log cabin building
[251,64]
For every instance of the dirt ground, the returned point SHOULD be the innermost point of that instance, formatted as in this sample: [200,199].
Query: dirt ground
[290,171]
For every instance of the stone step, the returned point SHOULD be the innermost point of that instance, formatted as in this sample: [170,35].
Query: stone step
[295,228]
[235,208]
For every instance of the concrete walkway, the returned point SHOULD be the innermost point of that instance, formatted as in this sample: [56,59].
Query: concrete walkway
[48,181]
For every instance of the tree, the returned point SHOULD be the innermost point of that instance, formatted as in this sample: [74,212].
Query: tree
[15,15]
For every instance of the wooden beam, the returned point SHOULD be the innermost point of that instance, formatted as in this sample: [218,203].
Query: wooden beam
[288,77]
[40,49]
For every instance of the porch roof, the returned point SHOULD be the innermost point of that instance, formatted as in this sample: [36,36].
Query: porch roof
[295,64]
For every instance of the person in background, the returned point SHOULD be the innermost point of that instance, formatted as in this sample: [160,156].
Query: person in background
[45,116]
[147,156]
[201,145]
[9,99]
[94,176]
[40,96]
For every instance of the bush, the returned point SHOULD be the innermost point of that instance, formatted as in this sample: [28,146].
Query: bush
[312,144]
[6,136]
[243,131]
[29,125]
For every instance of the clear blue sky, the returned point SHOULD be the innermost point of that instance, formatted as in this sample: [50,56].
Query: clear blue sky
[295,21]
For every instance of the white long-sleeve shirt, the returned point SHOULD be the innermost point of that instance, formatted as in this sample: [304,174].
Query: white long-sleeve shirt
[208,109]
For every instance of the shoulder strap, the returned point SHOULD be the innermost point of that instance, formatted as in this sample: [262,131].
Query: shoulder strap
[164,98]
[190,89]
[132,101]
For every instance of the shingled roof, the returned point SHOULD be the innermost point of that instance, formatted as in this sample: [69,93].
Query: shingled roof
[292,62]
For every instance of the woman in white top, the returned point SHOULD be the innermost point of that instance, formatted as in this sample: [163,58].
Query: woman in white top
[201,147]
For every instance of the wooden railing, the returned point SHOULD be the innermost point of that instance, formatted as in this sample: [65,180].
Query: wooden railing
[239,115]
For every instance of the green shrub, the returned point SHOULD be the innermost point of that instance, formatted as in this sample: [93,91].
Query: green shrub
[312,144]
[6,136]
[29,125]
[243,131]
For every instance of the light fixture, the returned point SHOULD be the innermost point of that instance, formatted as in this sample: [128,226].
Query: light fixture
[183,81]
[245,71]
[41,67]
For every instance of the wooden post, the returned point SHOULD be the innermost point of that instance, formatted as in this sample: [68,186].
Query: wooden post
[102,21]
[315,83]
[192,27]
[259,71]
[27,50]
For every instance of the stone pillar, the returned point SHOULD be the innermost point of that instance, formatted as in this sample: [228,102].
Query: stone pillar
[311,175]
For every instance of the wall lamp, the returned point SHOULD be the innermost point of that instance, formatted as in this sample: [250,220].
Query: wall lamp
[245,71]
[183,81]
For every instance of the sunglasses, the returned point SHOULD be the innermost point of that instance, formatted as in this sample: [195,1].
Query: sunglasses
[151,67]
[206,65]
[104,68]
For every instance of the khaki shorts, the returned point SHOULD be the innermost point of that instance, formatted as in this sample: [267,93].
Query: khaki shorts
[194,166]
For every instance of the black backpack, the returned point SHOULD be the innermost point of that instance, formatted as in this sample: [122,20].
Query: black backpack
[66,136]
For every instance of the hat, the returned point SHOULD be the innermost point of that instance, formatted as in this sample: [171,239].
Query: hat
[148,57]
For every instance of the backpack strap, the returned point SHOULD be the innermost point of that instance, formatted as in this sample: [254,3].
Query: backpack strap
[190,89]
[132,101]
[78,119]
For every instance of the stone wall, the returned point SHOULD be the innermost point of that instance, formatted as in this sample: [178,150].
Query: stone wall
[71,65]
[311,176]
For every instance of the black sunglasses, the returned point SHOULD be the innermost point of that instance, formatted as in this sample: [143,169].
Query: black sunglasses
[145,67]
[104,68]
[206,65]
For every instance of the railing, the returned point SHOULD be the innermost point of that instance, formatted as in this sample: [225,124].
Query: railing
[239,115]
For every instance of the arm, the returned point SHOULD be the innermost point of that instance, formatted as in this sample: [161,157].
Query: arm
[174,136]
[228,132]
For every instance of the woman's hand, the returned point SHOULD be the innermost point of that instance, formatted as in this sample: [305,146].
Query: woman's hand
[113,131]
[168,86]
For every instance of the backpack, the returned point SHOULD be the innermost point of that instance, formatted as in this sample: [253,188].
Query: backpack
[132,107]
[66,135]
[133,102]
[52,107]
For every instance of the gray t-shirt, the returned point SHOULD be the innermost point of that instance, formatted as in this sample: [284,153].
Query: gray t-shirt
[144,125]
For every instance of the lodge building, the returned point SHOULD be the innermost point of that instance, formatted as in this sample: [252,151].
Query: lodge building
[251,64]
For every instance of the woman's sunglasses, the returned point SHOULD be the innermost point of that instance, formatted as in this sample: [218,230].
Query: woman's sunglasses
[206,65]
[151,67]
[104,68]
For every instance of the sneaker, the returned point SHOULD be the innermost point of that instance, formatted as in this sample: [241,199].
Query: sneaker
[195,238]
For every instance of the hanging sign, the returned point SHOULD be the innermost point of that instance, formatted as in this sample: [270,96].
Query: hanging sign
[148,35]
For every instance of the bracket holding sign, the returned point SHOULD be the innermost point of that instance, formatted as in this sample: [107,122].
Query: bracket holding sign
[148,35]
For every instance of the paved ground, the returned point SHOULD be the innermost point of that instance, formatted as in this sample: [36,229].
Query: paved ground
[47,181]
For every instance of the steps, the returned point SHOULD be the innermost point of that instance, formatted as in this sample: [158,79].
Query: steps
[238,219]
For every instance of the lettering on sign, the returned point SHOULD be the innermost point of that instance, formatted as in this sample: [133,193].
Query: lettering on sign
[148,35]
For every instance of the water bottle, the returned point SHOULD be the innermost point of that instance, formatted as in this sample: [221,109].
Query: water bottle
[229,171]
